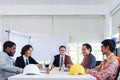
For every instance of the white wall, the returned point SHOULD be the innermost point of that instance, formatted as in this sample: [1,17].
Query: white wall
[0,33]
[53,10]
[113,5]
[79,28]
[115,15]
[45,25]
[25,24]
[115,22]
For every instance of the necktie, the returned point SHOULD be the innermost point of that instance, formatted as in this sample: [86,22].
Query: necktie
[61,64]
[61,61]
[26,61]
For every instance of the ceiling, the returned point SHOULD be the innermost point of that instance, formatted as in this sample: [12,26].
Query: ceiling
[53,2]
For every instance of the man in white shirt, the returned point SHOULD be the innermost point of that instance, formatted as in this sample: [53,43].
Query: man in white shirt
[7,64]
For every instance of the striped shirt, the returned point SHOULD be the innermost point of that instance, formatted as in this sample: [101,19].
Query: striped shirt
[105,72]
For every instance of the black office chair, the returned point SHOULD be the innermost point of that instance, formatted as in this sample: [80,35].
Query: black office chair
[98,62]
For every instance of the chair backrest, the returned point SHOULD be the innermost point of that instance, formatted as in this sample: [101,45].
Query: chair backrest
[98,62]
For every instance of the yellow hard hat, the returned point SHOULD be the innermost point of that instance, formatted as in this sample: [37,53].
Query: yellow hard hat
[77,69]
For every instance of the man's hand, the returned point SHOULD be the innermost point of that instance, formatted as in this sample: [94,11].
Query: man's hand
[69,66]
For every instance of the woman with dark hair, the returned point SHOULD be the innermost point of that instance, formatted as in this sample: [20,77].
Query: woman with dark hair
[25,57]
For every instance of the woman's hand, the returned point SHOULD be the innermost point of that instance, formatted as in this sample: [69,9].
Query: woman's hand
[39,65]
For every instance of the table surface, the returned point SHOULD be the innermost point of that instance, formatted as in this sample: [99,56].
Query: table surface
[52,76]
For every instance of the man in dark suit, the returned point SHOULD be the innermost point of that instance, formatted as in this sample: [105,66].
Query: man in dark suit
[62,59]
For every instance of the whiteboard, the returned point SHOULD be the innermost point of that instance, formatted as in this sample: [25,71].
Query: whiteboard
[46,46]
[19,39]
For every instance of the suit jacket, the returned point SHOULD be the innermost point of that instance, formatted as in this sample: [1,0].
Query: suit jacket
[57,60]
[7,67]
[90,62]
[21,63]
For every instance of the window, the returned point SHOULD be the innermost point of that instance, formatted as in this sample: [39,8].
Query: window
[76,53]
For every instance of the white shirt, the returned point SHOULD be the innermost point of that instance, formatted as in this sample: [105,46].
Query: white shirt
[63,60]
[24,57]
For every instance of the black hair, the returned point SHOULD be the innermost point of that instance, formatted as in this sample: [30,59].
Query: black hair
[25,48]
[8,44]
[109,42]
[88,46]
[62,46]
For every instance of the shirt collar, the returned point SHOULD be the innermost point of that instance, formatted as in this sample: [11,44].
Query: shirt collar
[87,55]
[25,57]
[109,56]
[9,54]
[62,56]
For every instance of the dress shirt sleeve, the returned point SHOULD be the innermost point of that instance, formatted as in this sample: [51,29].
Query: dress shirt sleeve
[33,61]
[8,67]
[111,69]
[93,63]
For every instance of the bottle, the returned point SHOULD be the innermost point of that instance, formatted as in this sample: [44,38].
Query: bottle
[47,70]
[63,67]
